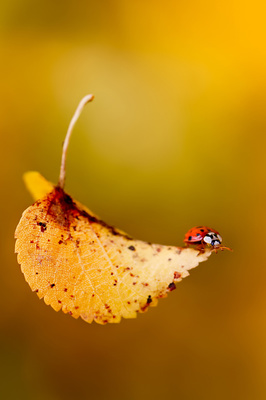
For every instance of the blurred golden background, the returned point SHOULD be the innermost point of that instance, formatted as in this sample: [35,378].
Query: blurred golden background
[174,138]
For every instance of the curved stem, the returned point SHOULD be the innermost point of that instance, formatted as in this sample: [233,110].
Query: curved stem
[83,102]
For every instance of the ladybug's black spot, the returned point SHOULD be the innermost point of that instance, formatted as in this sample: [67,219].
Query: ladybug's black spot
[198,234]
[202,230]
[190,237]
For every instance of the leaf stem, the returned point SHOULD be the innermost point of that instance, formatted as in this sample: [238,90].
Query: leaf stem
[83,102]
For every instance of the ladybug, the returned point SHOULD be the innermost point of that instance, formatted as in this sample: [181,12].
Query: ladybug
[202,236]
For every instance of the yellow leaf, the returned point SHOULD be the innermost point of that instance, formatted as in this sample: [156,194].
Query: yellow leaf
[87,268]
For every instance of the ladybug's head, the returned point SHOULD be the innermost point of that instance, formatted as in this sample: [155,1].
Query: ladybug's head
[213,239]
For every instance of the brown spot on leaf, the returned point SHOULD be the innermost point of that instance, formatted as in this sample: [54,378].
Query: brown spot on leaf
[145,307]
[149,299]
[177,275]
[42,225]
[171,287]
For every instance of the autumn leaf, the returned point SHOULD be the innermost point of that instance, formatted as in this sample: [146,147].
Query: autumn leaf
[87,268]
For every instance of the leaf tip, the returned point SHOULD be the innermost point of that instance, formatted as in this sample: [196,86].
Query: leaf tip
[37,185]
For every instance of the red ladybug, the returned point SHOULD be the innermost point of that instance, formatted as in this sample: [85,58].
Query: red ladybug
[204,236]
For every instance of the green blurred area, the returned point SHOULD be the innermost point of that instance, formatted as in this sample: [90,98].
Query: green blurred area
[174,138]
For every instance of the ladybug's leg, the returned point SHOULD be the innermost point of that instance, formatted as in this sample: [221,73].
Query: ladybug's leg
[224,248]
[201,248]
[215,249]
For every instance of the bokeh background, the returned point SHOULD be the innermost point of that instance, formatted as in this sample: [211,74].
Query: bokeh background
[176,137]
